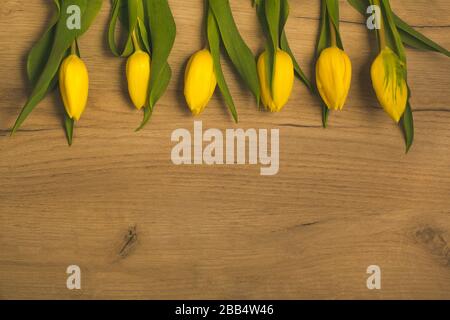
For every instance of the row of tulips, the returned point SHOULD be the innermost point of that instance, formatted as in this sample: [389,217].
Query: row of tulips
[151,33]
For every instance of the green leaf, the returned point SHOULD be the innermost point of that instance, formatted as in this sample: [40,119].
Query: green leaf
[159,89]
[407,124]
[409,36]
[37,58]
[133,13]
[284,15]
[63,40]
[261,13]
[359,5]
[239,53]
[417,40]
[333,16]
[324,37]
[333,11]
[325,114]
[147,115]
[298,71]
[269,47]
[391,28]
[119,12]
[272,12]
[68,124]
[162,34]
[143,35]
[214,45]
[161,86]
[257,2]
[136,25]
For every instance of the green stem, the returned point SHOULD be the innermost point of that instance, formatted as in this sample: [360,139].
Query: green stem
[206,15]
[73,47]
[382,31]
[332,33]
[137,47]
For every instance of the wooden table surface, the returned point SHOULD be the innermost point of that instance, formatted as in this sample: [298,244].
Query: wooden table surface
[345,198]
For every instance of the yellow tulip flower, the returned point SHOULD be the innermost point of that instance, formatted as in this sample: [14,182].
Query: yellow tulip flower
[74,85]
[333,77]
[199,81]
[389,82]
[283,80]
[138,76]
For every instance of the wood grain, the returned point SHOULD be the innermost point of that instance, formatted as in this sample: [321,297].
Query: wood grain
[345,198]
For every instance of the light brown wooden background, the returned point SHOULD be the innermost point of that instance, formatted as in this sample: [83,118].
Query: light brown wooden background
[345,198]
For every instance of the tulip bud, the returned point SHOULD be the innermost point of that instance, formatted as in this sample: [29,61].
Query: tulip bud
[199,81]
[74,85]
[333,77]
[389,81]
[283,80]
[138,76]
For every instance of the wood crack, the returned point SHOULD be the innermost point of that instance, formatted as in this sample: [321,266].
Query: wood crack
[129,243]
[431,110]
[293,125]
[298,226]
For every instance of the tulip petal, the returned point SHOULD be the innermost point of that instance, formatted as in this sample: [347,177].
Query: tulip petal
[74,86]
[199,81]
[388,74]
[283,80]
[138,76]
[333,77]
